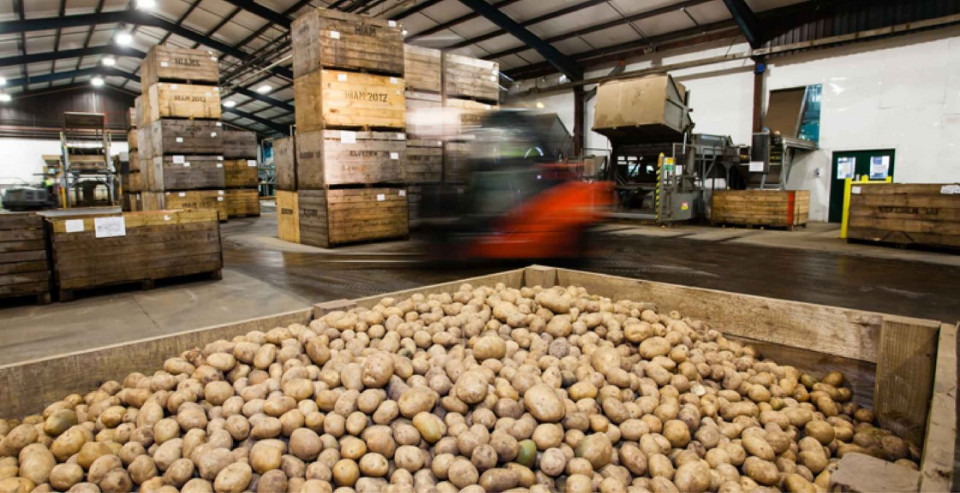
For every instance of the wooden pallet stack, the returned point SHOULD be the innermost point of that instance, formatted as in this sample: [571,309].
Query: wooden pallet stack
[471,88]
[180,136]
[24,270]
[350,142]
[241,173]
[425,123]
[130,178]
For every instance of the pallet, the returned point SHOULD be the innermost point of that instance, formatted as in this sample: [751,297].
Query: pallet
[766,208]
[471,78]
[172,64]
[344,157]
[760,227]
[24,266]
[905,214]
[349,100]
[67,295]
[169,100]
[344,216]
[324,38]
[239,144]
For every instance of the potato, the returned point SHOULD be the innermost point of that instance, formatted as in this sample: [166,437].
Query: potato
[762,471]
[36,463]
[345,472]
[692,476]
[17,439]
[542,402]
[272,481]
[266,455]
[234,478]
[141,469]
[16,485]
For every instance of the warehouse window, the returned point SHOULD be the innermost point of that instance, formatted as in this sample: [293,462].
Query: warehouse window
[810,121]
[795,112]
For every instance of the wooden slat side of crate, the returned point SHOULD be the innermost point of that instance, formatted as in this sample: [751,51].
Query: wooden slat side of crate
[456,169]
[184,172]
[242,202]
[132,202]
[922,214]
[324,38]
[288,216]
[24,269]
[187,199]
[240,173]
[422,68]
[239,144]
[425,116]
[424,161]
[169,100]
[131,182]
[138,118]
[132,140]
[133,119]
[133,158]
[335,217]
[285,163]
[345,157]
[171,63]
[337,99]
[183,137]
[761,207]
[471,78]
[414,199]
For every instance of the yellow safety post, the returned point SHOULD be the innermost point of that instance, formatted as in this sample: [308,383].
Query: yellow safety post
[847,187]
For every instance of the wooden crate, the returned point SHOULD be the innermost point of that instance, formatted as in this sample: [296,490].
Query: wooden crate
[422,68]
[456,168]
[184,172]
[336,99]
[169,100]
[188,199]
[24,269]
[133,160]
[239,144]
[288,216]
[324,38]
[336,217]
[914,214]
[133,118]
[344,157]
[170,63]
[131,182]
[242,202]
[131,201]
[774,208]
[471,78]
[414,199]
[285,163]
[241,173]
[132,140]
[182,137]
[138,119]
[424,162]
[463,116]
[812,338]
[425,116]
[150,246]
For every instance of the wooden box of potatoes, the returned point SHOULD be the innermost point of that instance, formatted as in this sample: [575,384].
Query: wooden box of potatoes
[538,378]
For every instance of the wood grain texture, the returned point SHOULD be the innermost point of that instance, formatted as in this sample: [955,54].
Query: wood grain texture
[423,68]
[131,182]
[285,162]
[336,99]
[240,173]
[471,78]
[905,214]
[338,157]
[243,203]
[133,158]
[777,208]
[171,63]
[170,100]
[456,168]
[335,217]
[183,137]
[184,172]
[239,144]
[288,216]
[24,269]
[939,450]
[132,140]
[187,199]
[425,116]
[424,162]
[324,38]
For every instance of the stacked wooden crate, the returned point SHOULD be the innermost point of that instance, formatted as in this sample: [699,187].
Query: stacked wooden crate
[24,270]
[180,138]
[288,213]
[241,173]
[96,250]
[350,142]
[130,179]
[425,123]
[905,214]
[471,88]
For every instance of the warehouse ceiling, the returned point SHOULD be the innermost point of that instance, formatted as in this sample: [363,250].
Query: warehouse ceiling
[48,44]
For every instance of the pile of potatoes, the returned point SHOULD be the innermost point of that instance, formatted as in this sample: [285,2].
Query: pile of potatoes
[483,389]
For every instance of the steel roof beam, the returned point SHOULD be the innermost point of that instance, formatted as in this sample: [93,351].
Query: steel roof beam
[263,98]
[103,71]
[536,20]
[747,20]
[110,49]
[453,22]
[281,129]
[263,12]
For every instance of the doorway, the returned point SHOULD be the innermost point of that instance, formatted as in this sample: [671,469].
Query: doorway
[876,164]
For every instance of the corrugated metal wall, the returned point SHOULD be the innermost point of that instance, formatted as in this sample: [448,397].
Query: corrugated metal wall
[41,115]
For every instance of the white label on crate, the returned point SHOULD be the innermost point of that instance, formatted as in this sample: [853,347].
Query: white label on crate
[164,64]
[183,194]
[394,155]
[950,189]
[335,34]
[186,164]
[493,78]
[439,142]
[219,199]
[392,23]
[219,158]
[348,137]
[393,80]
[486,106]
[179,140]
[381,197]
[219,165]
[213,58]
[213,134]
[178,159]
[218,123]
[341,77]
[109,227]
[252,163]
[403,193]
[74,225]
[166,217]
[220,192]
[174,86]
[855,190]
[401,136]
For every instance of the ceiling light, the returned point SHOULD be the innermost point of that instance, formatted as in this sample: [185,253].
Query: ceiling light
[540,105]
[229,104]
[124,39]
[3,81]
[97,81]
[4,97]
[109,61]
[146,4]
[404,32]
[264,89]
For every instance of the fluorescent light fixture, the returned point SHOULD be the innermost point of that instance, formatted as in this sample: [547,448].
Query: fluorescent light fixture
[4,97]
[3,81]
[264,89]
[97,81]
[124,39]
[540,105]
[109,61]
[146,4]
[229,103]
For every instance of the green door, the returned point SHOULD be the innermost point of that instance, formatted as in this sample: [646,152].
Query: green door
[876,164]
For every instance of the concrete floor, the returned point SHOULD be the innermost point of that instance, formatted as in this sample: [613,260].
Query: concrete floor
[264,275]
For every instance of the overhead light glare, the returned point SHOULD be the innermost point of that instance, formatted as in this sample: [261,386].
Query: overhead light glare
[146,4]
[405,32]
[124,39]
[229,104]
[5,98]
[540,105]
[264,89]
[3,81]
[97,81]
[109,61]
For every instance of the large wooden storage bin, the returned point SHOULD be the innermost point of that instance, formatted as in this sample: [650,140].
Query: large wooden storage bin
[181,137]
[189,199]
[426,117]
[239,144]
[241,173]
[288,216]
[131,181]
[337,99]
[285,162]
[149,246]
[905,214]
[424,161]
[24,270]
[346,157]
[242,203]
[184,172]
[336,217]
[132,140]
[422,68]
[170,100]
[170,63]
[775,208]
[471,78]
[324,38]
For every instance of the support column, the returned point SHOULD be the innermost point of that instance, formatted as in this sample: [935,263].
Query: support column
[759,92]
[578,110]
